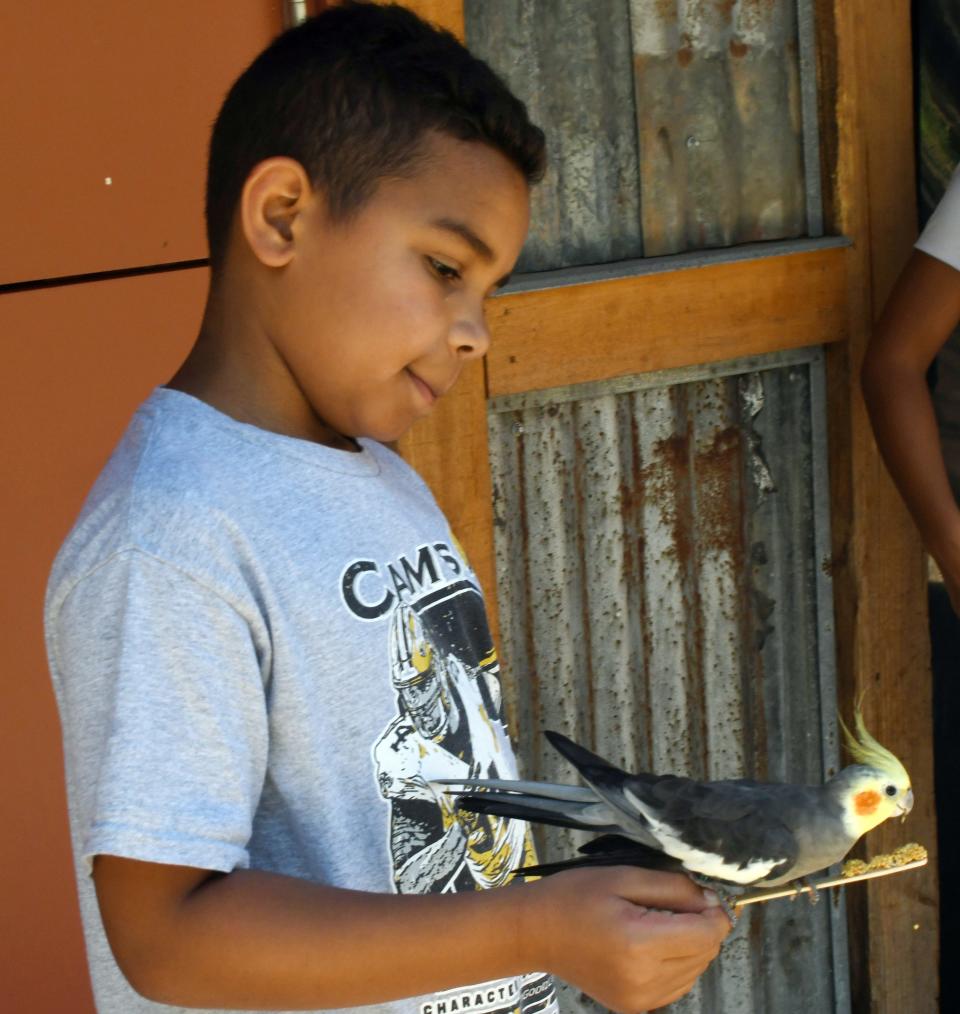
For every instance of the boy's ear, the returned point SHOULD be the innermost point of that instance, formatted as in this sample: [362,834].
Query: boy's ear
[274,195]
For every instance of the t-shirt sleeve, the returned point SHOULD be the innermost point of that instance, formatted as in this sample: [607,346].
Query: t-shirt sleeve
[164,704]
[941,237]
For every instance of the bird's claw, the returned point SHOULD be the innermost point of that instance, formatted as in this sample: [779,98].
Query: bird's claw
[726,900]
[802,884]
[814,893]
[730,911]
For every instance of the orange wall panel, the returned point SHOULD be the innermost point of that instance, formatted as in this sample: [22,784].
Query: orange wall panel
[78,359]
[120,91]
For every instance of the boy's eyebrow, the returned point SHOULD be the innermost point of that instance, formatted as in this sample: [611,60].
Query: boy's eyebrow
[467,234]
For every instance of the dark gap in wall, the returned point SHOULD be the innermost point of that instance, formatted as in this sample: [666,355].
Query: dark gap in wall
[101,276]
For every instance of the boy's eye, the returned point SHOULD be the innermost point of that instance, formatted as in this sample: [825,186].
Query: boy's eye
[445,271]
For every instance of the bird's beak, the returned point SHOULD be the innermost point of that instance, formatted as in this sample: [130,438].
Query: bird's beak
[906,806]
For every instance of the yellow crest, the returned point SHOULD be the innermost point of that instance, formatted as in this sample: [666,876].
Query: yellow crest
[864,749]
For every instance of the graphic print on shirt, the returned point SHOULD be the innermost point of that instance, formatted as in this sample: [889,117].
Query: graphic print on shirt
[444,673]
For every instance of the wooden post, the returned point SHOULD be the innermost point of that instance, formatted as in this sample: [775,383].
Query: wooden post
[449,450]
[879,572]
[449,447]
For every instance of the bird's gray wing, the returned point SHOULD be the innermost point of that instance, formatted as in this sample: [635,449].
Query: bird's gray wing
[731,830]
[739,828]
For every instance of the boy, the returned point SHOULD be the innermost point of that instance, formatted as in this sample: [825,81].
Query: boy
[264,640]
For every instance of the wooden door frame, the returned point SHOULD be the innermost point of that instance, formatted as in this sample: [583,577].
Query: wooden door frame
[866,95]
[814,292]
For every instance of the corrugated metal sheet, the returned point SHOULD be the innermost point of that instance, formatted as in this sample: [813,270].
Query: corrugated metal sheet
[662,546]
[570,62]
[671,124]
[719,119]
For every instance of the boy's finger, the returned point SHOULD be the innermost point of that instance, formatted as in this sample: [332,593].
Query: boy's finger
[680,976]
[687,934]
[684,968]
[673,891]
[676,995]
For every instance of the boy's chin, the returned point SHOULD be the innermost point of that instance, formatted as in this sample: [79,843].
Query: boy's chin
[389,434]
[391,437]
[384,433]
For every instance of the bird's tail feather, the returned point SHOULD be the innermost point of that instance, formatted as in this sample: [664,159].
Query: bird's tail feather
[542,790]
[608,850]
[590,815]
[607,781]
[590,765]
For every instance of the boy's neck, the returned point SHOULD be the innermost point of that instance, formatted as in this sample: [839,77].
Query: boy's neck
[234,367]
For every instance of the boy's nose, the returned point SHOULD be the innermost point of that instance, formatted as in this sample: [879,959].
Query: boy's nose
[470,337]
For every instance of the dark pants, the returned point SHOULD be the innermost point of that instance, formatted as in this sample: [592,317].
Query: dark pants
[945,649]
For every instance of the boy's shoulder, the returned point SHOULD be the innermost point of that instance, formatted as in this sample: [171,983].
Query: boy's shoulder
[158,493]
[191,486]
[172,459]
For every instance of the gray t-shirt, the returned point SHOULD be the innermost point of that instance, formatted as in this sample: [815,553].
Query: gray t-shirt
[263,650]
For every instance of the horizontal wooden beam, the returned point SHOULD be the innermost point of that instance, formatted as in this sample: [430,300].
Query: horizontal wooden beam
[659,321]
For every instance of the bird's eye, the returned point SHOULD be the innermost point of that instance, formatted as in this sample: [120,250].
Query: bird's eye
[891,790]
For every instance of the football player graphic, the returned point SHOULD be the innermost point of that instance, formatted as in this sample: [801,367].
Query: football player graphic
[448,726]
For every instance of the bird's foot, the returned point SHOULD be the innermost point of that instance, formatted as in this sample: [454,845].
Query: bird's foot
[804,885]
[726,899]
[814,893]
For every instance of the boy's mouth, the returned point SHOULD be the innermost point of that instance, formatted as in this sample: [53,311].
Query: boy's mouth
[428,393]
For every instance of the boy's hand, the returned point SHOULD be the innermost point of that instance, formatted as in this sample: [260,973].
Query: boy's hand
[251,939]
[632,939]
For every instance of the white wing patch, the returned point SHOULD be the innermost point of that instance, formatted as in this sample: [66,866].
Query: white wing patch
[707,864]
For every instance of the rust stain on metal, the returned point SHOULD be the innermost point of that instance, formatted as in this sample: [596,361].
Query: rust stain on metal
[660,480]
[718,473]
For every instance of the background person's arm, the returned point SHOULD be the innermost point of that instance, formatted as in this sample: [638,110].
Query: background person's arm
[919,317]
[255,940]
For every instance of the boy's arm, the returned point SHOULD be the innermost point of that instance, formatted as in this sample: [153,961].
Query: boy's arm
[254,940]
[922,311]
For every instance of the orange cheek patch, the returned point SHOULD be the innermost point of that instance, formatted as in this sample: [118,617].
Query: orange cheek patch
[866,802]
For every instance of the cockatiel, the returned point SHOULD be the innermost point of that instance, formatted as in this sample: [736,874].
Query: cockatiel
[728,833]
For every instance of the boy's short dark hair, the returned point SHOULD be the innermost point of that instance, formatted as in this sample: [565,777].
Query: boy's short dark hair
[350,94]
